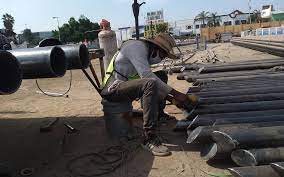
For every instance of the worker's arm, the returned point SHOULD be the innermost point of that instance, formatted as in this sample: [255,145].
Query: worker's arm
[137,53]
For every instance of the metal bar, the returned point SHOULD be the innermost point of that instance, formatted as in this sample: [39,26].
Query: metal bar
[10,73]
[203,134]
[210,119]
[278,167]
[42,62]
[102,68]
[91,80]
[255,157]
[95,75]
[259,171]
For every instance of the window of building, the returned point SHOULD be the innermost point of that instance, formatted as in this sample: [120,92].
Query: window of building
[197,26]
[244,21]
[203,25]
[189,27]
[237,22]
[228,23]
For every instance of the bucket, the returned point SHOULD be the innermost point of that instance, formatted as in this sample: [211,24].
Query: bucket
[118,118]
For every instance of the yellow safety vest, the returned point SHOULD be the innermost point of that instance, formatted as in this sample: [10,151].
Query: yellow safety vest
[111,69]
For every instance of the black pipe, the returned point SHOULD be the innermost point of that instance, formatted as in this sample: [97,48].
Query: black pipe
[42,62]
[245,91]
[77,56]
[10,73]
[259,171]
[278,167]
[210,119]
[239,67]
[238,78]
[234,86]
[255,157]
[203,134]
[253,138]
[241,98]
[243,120]
[238,107]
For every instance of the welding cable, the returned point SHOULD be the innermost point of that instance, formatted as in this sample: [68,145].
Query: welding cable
[57,94]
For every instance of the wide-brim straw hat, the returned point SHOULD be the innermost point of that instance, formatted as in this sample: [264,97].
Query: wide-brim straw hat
[166,42]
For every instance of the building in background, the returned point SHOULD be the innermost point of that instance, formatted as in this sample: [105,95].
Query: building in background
[155,17]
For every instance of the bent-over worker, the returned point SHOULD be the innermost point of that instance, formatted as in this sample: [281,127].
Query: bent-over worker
[129,77]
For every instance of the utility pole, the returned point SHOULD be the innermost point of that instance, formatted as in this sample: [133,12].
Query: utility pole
[58,27]
[249,5]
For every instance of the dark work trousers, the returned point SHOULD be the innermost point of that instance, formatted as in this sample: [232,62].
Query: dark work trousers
[145,89]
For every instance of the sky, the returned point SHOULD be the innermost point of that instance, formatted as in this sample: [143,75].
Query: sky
[37,14]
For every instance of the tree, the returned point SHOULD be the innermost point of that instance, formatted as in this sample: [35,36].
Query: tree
[8,21]
[214,20]
[74,31]
[162,28]
[202,16]
[255,17]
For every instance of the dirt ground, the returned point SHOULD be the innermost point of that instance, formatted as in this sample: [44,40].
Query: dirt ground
[23,146]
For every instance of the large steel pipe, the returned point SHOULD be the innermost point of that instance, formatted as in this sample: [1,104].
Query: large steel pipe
[235,117]
[44,62]
[241,98]
[10,73]
[77,56]
[242,67]
[203,134]
[238,78]
[259,171]
[228,141]
[255,157]
[238,107]
[245,91]
[278,167]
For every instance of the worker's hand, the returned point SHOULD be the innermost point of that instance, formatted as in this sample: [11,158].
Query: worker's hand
[184,101]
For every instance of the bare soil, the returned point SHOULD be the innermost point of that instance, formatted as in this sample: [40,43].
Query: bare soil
[23,146]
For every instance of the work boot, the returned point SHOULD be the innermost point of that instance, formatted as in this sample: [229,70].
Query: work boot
[154,145]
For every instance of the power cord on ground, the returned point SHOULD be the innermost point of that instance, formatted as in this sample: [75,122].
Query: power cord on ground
[57,94]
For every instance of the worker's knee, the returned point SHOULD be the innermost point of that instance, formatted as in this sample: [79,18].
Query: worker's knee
[151,83]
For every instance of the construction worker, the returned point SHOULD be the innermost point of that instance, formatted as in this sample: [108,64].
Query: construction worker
[129,77]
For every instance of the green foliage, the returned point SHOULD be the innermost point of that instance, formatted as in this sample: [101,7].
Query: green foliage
[202,16]
[8,21]
[74,30]
[255,17]
[162,28]
[214,20]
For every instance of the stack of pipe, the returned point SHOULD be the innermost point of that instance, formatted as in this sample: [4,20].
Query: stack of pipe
[41,62]
[272,47]
[240,115]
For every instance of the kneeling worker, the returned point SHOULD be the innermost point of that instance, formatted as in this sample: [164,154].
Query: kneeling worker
[129,77]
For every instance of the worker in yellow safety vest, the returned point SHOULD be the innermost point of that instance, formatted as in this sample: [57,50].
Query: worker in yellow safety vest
[129,77]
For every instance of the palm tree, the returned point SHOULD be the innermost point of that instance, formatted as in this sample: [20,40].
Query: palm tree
[8,21]
[202,16]
[214,19]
